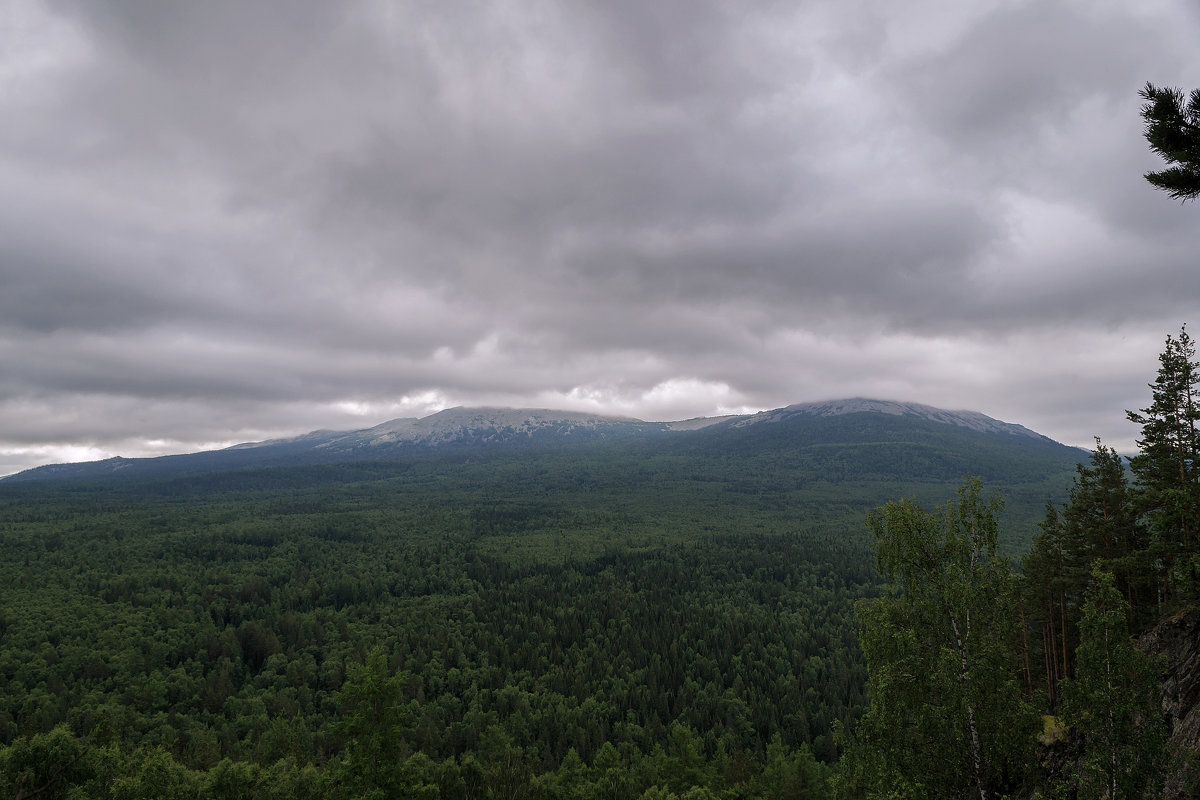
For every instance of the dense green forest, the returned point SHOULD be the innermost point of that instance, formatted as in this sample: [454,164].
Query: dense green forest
[610,620]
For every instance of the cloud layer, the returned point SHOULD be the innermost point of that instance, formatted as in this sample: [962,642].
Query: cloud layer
[228,221]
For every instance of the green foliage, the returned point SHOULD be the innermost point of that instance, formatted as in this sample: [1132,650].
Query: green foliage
[946,718]
[1173,132]
[1112,702]
[374,762]
[153,774]
[1167,467]
[45,765]
[790,775]
[218,639]
[1098,524]
[1098,518]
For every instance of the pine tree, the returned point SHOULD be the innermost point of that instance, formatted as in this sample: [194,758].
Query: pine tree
[1173,131]
[1100,519]
[1099,522]
[1167,467]
[1046,569]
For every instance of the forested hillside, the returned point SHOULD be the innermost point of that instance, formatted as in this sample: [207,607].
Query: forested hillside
[603,619]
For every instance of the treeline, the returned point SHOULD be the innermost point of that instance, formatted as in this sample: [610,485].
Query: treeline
[374,763]
[985,682]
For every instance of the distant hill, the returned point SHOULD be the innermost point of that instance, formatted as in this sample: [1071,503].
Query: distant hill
[811,462]
[838,439]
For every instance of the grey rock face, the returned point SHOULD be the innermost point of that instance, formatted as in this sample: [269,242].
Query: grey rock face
[1178,640]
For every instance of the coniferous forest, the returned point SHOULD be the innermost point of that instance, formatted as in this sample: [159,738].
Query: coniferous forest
[611,621]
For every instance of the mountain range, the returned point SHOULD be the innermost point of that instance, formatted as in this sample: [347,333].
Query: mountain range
[856,421]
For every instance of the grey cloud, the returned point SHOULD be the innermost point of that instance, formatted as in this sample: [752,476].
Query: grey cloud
[1022,67]
[255,212]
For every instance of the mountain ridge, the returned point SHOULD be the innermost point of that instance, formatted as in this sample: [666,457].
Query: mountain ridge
[488,427]
[967,419]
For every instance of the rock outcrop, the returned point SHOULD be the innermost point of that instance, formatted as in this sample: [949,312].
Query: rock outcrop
[1177,640]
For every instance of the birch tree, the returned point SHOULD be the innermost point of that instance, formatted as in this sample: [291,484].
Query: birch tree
[946,717]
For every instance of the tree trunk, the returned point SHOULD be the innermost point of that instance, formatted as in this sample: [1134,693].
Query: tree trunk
[976,750]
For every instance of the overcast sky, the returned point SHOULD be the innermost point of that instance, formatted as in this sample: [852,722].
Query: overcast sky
[228,221]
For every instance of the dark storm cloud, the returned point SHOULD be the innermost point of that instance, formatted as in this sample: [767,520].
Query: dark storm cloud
[229,220]
[1020,68]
